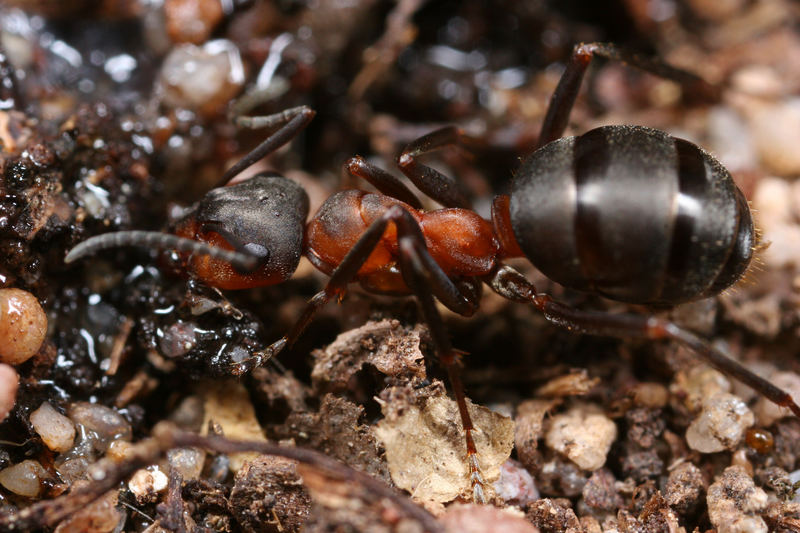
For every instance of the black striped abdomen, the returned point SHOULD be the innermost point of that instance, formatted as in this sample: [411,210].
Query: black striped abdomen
[633,214]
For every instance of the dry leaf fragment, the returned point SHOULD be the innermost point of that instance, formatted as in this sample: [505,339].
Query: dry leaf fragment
[228,404]
[426,452]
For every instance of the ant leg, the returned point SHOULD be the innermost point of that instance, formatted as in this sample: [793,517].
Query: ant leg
[555,121]
[510,284]
[426,279]
[382,180]
[441,188]
[289,122]
[462,300]
[412,250]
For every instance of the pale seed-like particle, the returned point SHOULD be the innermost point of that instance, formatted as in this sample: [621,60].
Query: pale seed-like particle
[23,479]
[23,326]
[720,425]
[57,431]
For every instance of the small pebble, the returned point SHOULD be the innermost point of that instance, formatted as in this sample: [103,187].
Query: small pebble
[720,425]
[105,422]
[119,450]
[187,461]
[772,200]
[553,515]
[583,435]
[561,476]
[645,426]
[23,479]
[735,503]
[473,518]
[23,326]
[653,395]
[203,79]
[777,136]
[697,383]
[74,469]
[56,430]
[9,382]
[685,487]
[192,21]
[189,413]
[600,492]
[768,412]
[146,483]
[516,486]
[758,80]
[640,465]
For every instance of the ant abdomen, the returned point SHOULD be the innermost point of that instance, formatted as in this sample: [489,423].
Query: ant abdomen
[633,214]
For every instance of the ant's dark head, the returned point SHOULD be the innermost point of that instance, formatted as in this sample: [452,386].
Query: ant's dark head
[264,215]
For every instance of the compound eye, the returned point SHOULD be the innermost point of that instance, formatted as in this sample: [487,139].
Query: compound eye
[258,251]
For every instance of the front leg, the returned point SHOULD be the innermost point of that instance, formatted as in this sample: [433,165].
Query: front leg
[288,122]
[425,278]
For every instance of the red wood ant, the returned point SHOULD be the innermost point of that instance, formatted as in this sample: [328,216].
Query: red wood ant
[626,212]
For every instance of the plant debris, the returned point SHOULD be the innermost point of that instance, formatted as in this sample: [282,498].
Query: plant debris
[424,449]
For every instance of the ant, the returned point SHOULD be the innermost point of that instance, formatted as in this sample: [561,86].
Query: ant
[627,212]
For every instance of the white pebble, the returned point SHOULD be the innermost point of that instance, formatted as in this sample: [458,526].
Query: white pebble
[768,412]
[720,425]
[760,80]
[698,383]
[202,78]
[777,136]
[119,450]
[773,200]
[23,479]
[582,435]
[187,461]
[147,482]
[57,431]
[105,422]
